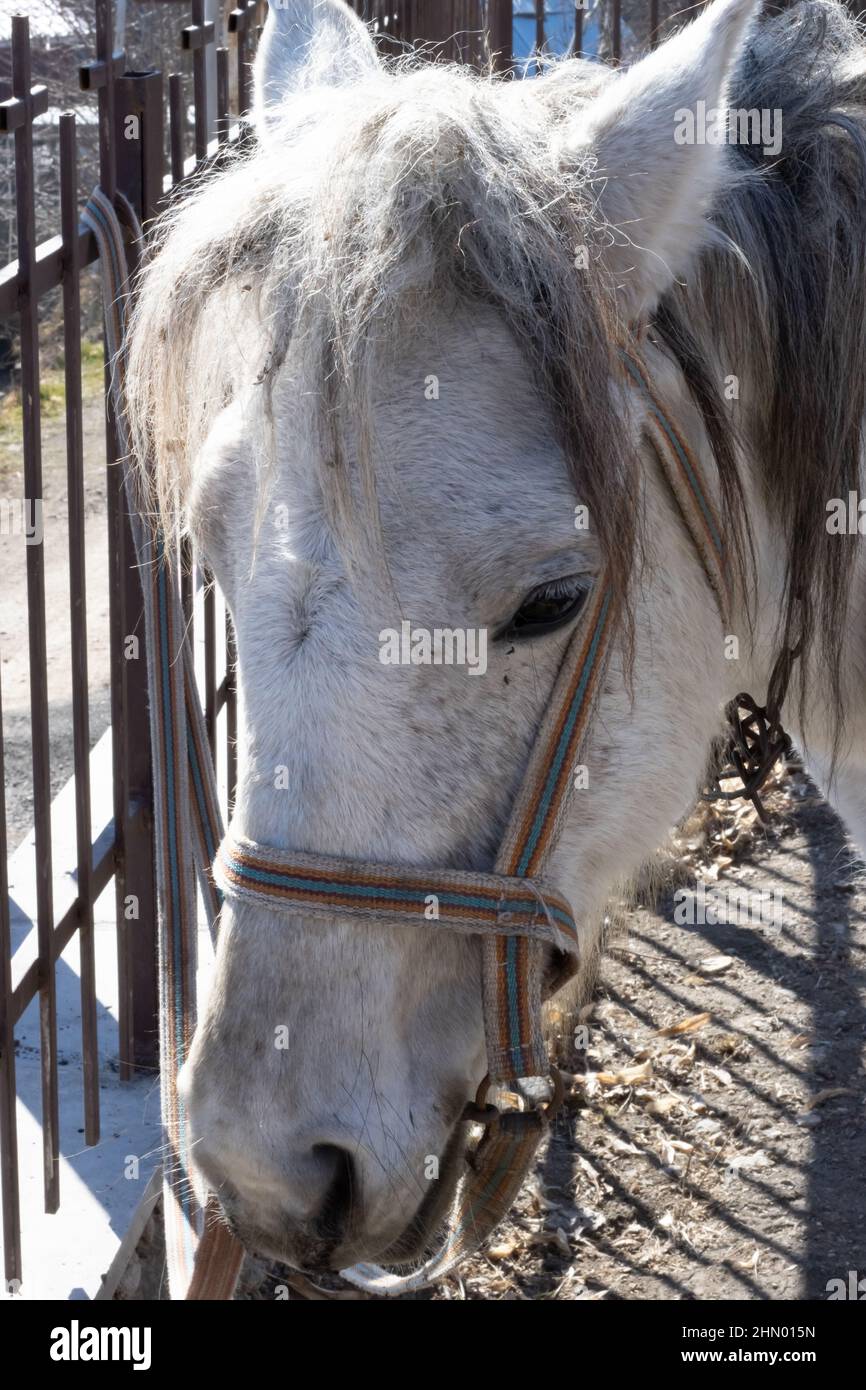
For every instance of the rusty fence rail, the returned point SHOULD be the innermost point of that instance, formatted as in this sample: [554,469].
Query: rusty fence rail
[178,122]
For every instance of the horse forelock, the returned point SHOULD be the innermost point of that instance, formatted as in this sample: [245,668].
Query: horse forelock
[376,207]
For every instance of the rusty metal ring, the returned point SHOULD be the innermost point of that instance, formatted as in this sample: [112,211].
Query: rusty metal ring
[478,1113]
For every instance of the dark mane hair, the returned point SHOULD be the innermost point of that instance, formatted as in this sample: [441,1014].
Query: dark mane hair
[793,319]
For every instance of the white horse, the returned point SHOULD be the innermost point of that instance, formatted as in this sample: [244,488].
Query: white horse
[374,364]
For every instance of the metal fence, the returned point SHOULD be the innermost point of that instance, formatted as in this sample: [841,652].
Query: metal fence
[513,34]
[138,102]
[519,34]
[177,124]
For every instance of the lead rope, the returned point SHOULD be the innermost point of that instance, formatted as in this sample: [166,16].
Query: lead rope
[519,915]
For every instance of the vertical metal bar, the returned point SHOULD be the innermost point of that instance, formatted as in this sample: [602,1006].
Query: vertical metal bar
[231,718]
[199,85]
[8,1121]
[118,630]
[210,709]
[616,27]
[139,177]
[148,88]
[28,308]
[222,95]
[212,14]
[177,136]
[539,26]
[243,65]
[654,23]
[78,617]
[177,125]
[578,31]
[177,119]
[187,566]
[118,560]
[500,20]
[105,54]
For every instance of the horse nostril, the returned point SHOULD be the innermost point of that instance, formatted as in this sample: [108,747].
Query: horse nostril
[333,1218]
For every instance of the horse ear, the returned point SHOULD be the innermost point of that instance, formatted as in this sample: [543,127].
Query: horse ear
[654,184]
[309,43]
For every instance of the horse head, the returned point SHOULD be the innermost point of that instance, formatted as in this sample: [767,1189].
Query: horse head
[376,363]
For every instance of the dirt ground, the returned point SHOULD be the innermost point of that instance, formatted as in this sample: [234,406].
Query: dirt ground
[713,1143]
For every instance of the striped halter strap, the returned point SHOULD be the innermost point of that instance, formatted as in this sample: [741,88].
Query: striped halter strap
[518,913]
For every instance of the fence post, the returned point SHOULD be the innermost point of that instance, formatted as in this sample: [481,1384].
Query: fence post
[138,140]
[499,19]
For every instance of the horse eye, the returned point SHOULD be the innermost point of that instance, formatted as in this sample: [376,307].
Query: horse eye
[546,608]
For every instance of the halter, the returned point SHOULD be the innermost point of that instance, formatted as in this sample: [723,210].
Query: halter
[517,912]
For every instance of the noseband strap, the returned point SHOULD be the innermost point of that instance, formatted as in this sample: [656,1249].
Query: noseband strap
[430,898]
